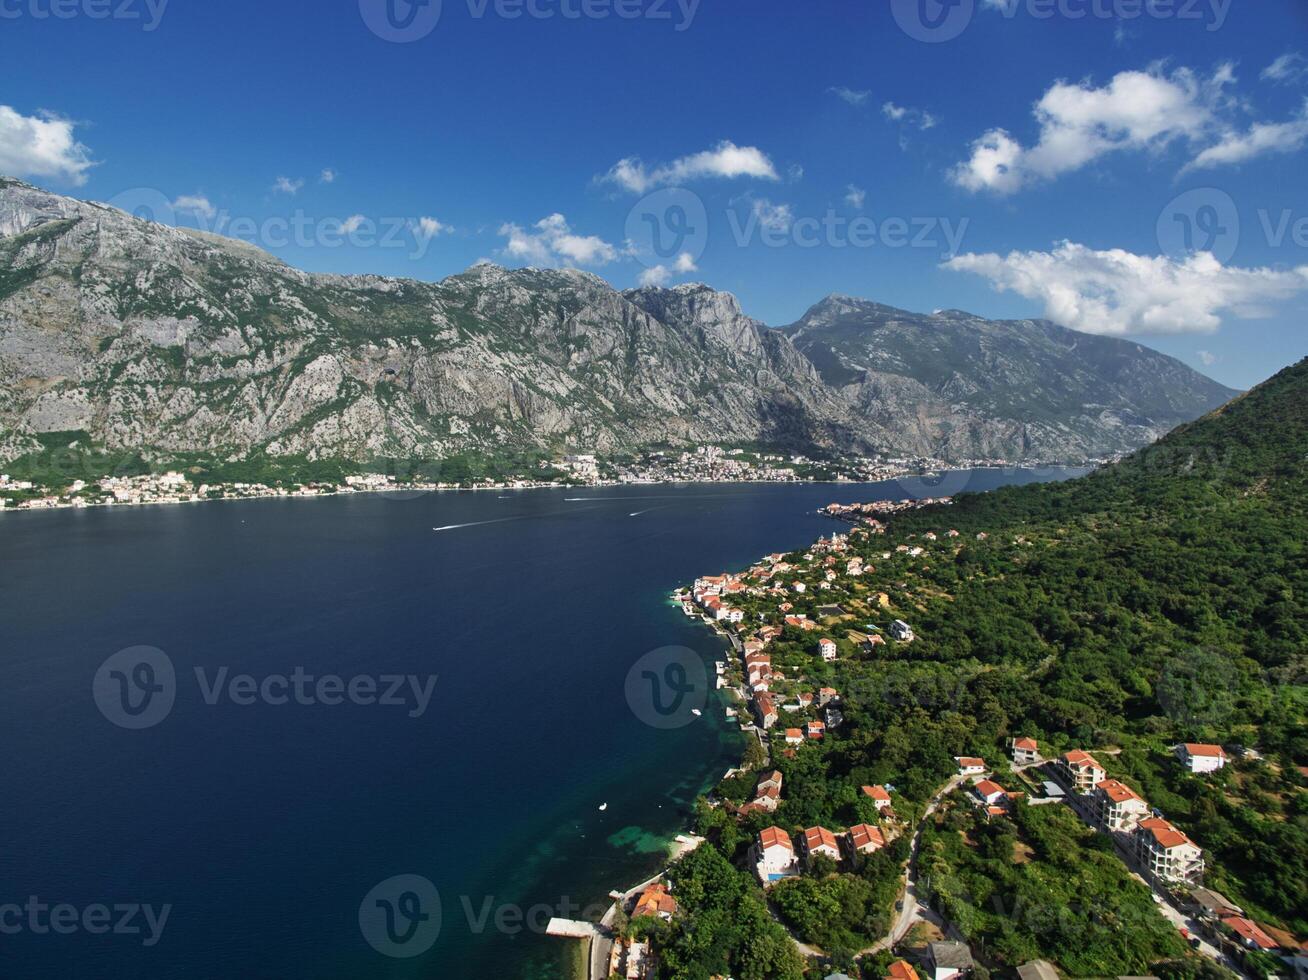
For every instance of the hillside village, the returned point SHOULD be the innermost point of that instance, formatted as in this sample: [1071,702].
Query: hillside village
[807,632]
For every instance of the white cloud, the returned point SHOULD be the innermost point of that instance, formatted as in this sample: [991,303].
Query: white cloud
[352,224]
[43,145]
[657,275]
[429,228]
[661,275]
[774,217]
[1287,68]
[1206,358]
[913,117]
[855,196]
[328,176]
[1115,292]
[724,161]
[551,242]
[196,204]
[286,185]
[1136,110]
[852,96]
[1259,139]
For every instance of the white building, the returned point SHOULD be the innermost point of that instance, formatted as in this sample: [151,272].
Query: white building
[1118,806]
[774,855]
[1199,758]
[901,631]
[1166,853]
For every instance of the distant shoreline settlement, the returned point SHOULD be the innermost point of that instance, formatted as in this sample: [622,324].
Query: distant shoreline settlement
[705,464]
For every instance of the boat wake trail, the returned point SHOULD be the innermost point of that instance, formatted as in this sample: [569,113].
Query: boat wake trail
[455,527]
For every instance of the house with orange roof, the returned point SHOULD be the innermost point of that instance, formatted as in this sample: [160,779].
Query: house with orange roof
[1026,751]
[656,901]
[794,736]
[774,855]
[826,695]
[1166,853]
[817,730]
[865,839]
[1118,806]
[969,765]
[901,970]
[827,648]
[819,840]
[1200,758]
[1249,934]
[990,792]
[1082,771]
[878,795]
[765,710]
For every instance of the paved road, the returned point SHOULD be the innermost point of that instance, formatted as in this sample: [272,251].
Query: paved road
[912,910]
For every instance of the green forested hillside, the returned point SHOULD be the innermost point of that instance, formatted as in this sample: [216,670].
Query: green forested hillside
[1159,600]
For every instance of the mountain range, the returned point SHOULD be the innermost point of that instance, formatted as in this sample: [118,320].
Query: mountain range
[142,336]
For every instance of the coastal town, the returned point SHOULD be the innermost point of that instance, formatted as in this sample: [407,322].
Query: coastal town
[806,634]
[704,464]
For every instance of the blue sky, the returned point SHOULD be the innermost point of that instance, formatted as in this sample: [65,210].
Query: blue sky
[1019,161]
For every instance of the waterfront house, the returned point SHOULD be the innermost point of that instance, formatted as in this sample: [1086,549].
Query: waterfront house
[770,779]
[1201,758]
[865,839]
[819,840]
[774,855]
[1026,751]
[827,648]
[878,795]
[970,766]
[1118,806]
[656,901]
[1166,853]
[948,961]
[1082,771]
[765,710]
[794,736]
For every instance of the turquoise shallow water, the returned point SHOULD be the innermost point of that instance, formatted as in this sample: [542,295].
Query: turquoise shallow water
[263,826]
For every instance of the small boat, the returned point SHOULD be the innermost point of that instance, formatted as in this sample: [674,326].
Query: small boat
[603,807]
[696,712]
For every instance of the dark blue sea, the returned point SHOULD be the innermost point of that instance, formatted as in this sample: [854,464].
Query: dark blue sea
[259,821]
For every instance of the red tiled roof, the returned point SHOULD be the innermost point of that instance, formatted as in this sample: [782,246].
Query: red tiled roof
[1117,792]
[1079,758]
[1029,744]
[863,836]
[988,787]
[876,792]
[1164,833]
[1200,748]
[1249,931]
[774,837]
[819,837]
[900,970]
